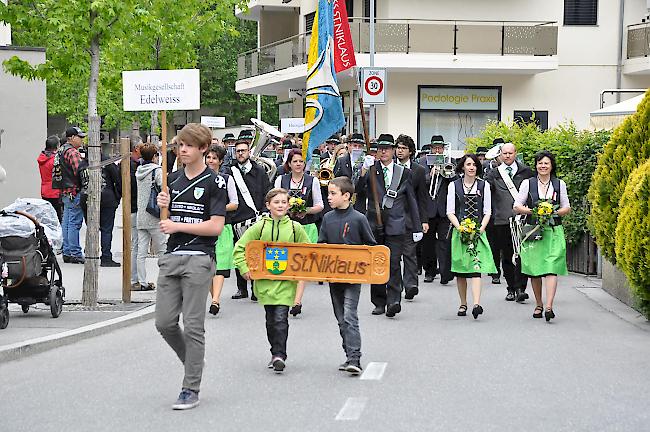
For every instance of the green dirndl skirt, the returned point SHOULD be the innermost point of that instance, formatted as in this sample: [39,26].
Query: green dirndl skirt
[224,248]
[463,263]
[312,232]
[545,256]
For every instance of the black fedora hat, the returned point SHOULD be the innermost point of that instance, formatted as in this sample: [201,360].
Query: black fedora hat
[386,140]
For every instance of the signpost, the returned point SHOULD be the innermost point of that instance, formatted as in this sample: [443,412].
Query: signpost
[373,85]
[214,122]
[158,90]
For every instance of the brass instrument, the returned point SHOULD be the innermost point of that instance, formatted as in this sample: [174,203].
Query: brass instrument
[263,137]
[325,175]
[441,167]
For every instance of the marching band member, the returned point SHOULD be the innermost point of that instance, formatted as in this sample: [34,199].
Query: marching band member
[544,258]
[436,245]
[493,159]
[345,166]
[468,208]
[405,151]
[304,186]
[395,197]
[505,181]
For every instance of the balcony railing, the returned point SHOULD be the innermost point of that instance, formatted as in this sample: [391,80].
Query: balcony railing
[414,36]
[638,40]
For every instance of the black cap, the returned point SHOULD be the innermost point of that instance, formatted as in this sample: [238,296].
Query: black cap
[246,134]
[481,150]
[357,138]
[74,131]
[229,137]
[373,146]
[385,140]
[437,139]
[498,141]
[334,138]
[286,143]
[426,147]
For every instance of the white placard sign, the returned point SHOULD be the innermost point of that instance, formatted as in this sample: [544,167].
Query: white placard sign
[292,125]
[213,122]
[373,85]
[161,90]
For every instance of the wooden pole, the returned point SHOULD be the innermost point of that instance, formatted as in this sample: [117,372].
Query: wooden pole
[164,213]
[125,151]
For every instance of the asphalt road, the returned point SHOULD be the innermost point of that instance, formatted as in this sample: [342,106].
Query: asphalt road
[426,370]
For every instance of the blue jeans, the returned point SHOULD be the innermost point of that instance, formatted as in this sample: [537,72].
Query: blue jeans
[72,220]
[345,299]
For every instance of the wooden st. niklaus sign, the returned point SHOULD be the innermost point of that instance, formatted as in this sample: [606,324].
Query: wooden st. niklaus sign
[318,262]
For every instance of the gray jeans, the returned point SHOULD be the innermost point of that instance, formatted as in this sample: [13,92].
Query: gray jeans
[183,285]
[345,299]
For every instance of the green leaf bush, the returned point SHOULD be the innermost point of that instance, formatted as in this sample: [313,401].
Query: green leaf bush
[628,148]
[576,156]
[633,235]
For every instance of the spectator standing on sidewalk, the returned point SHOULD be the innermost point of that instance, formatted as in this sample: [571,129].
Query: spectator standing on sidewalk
[65,176]
[148,174]
[45,163]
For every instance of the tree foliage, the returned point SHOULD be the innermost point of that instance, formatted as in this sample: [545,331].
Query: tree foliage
[628,148]
[633,235]
[575,154]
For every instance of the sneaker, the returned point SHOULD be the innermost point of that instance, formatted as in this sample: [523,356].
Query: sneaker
[109,263]
[188,399]
[353,368]
[278,364]
[343,366]
[270,365]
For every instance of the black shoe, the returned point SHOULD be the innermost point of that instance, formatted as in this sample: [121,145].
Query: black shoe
[240,295]
[428,278]
[109,263]
[253,298]
[476,311]
[379,310]
[296,310]
[66,258]
[462,310]
[537,313]
[214,308]
[510,296]
[444,281]
[496,279]
[409,293]
[521,296]
[549,314]
[76,260]
[393,309]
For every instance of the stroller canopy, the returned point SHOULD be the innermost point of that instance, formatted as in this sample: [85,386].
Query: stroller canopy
[20,226]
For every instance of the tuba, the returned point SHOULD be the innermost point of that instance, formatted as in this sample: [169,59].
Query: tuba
[325,175]
[263,135]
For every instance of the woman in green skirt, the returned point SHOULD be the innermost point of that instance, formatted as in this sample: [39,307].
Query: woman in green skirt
[469,206]
[225,244]
[302,185]
[543,254]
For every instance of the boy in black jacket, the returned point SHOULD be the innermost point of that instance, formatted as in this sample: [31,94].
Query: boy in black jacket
[345,225]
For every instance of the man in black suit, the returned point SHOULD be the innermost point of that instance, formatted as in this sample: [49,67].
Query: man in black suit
[344,166]
[502,201]
[395,198]
[436,245]
[490,231]
[405,151]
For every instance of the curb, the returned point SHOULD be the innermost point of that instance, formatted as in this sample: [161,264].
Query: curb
[37,345]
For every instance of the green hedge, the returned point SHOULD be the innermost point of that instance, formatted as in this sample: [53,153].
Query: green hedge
[633,235]
[628,148]
[575,153]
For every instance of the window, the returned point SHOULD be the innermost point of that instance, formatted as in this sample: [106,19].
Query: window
[538,117]
[309,22]
[349,6]
[366,9]
[580,12]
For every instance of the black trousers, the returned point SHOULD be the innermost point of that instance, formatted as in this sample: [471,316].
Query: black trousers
[491,233]
[391,292]
[242,284]
[106,223]
[436,249]
[503,247]
[409,262]
[277,329]
[58,207]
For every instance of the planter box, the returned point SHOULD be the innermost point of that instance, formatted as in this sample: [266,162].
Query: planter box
[615,282]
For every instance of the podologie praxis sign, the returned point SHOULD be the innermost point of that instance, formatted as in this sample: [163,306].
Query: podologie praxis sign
[161,90]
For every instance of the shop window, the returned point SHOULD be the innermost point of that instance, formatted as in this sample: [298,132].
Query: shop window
[580,12]
[540,118]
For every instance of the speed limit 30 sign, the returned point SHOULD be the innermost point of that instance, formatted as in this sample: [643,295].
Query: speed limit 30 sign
[373,85]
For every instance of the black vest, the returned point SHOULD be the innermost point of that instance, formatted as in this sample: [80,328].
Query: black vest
[62,174]
[533,197]
[307,184]
[461,203]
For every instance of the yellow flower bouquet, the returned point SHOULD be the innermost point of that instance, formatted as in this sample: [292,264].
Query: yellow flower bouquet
[469,235]
[297,205]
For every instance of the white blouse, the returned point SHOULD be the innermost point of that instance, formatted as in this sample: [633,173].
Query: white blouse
[487,198]
[545,192]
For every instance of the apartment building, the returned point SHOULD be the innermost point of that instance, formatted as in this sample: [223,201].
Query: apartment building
[453,65]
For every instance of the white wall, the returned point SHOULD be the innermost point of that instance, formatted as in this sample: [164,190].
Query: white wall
[23,116]
[5,32]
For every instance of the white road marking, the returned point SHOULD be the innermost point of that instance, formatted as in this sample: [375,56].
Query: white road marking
[352,408]
[374,371]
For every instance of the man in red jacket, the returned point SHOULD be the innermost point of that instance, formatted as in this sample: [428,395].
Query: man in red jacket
[45,163]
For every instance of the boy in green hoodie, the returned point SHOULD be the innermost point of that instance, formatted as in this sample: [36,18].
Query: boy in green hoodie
[275,295]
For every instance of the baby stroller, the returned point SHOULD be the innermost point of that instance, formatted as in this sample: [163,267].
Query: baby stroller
[29,270]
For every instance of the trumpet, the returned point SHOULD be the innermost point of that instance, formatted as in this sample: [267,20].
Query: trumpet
[325,175]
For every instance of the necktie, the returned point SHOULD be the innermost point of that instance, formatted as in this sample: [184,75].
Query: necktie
[509,169]
[386,179]
[242,168]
